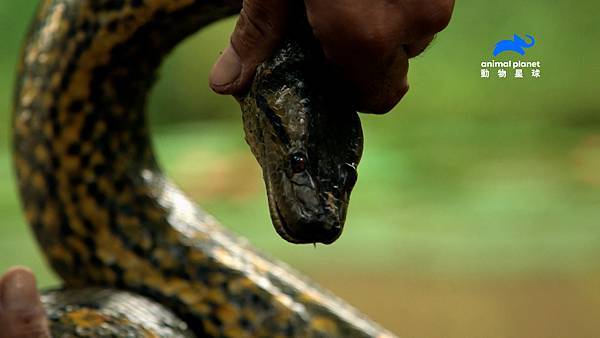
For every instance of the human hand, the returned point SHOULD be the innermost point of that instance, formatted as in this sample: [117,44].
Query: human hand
[21,312]
[370,41]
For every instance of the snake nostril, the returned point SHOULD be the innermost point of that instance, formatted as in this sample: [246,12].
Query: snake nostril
[348,174]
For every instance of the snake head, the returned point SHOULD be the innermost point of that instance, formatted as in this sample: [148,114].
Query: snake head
[308,142]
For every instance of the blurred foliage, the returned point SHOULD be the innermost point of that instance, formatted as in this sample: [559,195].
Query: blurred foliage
[467,177]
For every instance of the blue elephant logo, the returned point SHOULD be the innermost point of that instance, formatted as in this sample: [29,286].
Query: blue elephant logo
[516,45]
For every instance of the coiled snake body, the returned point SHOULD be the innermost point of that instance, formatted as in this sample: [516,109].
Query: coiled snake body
[106,217]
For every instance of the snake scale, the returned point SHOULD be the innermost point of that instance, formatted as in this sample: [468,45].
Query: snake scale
[137,257]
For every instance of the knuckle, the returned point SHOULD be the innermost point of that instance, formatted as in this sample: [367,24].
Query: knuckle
[381,104]
[32,333]
[246,33]
[356,33]
[27,317]
[436,16]
[380,95]
[375,41]
[261,17]
[26,324]
[259,24]
[31,317]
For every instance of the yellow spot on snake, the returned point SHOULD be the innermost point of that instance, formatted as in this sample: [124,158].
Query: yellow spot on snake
[41,154]
[50,217]
[228,314]
[86,318]
[325,325]
[38,182]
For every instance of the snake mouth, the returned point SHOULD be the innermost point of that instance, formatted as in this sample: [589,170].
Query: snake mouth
[279,223]
[283,229]
[305,233]
[315,233]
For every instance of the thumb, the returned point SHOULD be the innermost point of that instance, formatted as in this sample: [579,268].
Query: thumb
[21,312]
[258,31]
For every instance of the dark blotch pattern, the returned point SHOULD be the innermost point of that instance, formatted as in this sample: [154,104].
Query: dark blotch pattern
[103,212]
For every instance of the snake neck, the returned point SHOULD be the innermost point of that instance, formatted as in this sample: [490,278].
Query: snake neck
[103,212]
[95,61]
[83,154]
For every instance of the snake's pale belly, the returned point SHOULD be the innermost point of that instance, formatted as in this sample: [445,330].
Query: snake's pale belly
[98,203]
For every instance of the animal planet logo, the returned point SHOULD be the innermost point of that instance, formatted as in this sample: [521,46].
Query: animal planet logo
[517,45]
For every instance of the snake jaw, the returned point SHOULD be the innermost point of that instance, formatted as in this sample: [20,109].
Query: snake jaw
[282,228]
[279,223]
[290,235]
[317,231]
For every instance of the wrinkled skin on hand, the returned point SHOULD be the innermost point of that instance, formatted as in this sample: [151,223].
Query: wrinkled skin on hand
[369,42]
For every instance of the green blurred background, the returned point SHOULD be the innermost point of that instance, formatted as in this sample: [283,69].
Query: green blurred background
[477,210]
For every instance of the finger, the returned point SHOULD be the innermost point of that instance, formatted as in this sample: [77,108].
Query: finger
[369,52]
[427,17]
[370,41]
[417,47]
[259,30]
[380,85]
[21,312]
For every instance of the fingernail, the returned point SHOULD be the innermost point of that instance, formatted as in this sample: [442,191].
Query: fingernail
[19,290]
[227,68]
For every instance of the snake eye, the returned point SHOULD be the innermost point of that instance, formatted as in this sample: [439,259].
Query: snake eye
[298,162]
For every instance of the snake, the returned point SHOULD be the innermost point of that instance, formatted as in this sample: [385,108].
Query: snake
[136,256]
